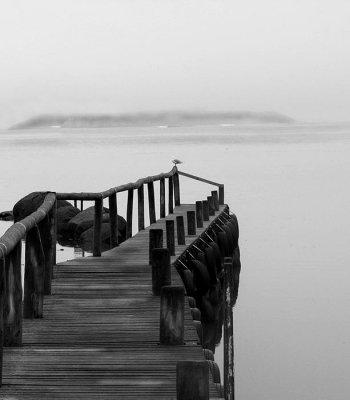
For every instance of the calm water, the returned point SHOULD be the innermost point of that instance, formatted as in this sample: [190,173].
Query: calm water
[288,185]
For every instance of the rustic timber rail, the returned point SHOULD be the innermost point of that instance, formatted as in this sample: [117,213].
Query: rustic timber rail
[112,326]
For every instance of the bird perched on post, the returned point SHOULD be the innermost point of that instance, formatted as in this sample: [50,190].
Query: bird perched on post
[176,161]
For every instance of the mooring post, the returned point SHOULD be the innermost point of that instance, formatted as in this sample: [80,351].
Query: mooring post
[205,210]
[191,222]
[141,207]
[177,189]
[172,315]
[214,195]
[151,203]
[162,197]
[229,383]
[199,214]
[180,230]
[12,308]
[221,195]
[129,213]
[192,380]
[97,228]
[171,195]
[211,205]
[155,241]
[113,220]
[170,236]
[161,271]
[33,276]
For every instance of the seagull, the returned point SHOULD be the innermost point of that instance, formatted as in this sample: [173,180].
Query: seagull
[176,161]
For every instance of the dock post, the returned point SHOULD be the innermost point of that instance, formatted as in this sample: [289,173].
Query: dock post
[129,213]
[180,230]
[141,207]
[205,210]
[214,195]
[211,205]
[221,195]
[199,214]
[172,315]
[33,276]
[155,241]
[170,236]
[161,271]
[12,311]
[229,383]
[162,197]
[151,203]
[192,380]
[171,195]
[97,228]
[191,222]
[113,220]
[177,189]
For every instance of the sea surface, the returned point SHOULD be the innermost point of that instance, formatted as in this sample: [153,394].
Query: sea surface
[289,187]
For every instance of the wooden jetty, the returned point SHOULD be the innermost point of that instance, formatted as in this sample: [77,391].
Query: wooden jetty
[117,325]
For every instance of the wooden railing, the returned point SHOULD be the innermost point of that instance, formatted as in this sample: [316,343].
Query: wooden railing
[38,230]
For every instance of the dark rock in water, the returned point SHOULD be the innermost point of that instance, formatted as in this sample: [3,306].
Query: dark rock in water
[63,203]
[64,215]
[6,216]
[28,204]
[85,220]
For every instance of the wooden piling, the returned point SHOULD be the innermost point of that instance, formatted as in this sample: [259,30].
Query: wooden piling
[205,210]
[211,206]
[171,195]
[129,213]
[113,220]
[170,236]
[12,311]
[180,230]
[172,315]
[228,331]
[177,189]
[192,380]
[162,197]
[199,214]
[214,195]
[161,271]
[97,228]
[141,207]
[191,222]
[33,276]
[221,195]
[151,203]
[155,241]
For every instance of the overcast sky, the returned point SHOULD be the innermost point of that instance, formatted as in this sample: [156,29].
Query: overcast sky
[113,56]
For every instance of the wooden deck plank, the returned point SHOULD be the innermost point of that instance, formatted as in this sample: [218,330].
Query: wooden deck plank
[99,338]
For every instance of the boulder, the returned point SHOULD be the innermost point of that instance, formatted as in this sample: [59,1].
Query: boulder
[6,216]
[64,215]
[27,205]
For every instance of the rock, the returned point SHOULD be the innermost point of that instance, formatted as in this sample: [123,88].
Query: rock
[63,203]
[28,204]
[6,216]
[64,215]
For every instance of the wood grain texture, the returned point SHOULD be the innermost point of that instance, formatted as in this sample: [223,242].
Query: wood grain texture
[99,336]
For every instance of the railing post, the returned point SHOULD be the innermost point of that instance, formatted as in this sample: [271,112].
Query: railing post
[2,299]
[180,227]
[151,203]
[162,197]
[221,195]
[12,309]
[171,195]
[97,227]
[47,228]
[33,276]
[141,207]
[172,315]
[205,210]
[228,331]
[191,222]
[170,236]
[161,271]
[192,380]
[211,205]
[113,220]
[214,195]
[129,213]
[177,189]
[155,241]
[199,214]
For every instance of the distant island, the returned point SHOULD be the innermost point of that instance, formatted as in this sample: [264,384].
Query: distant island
[150,119]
